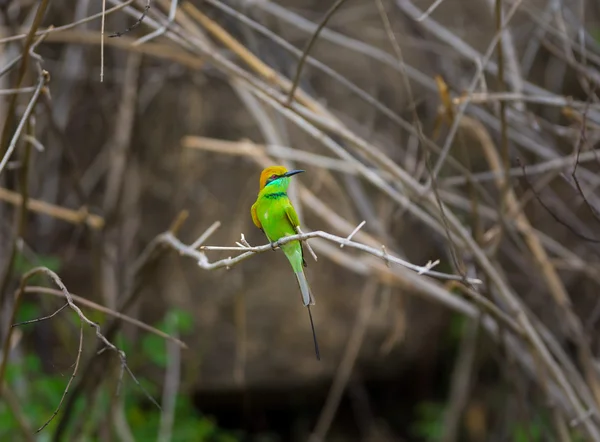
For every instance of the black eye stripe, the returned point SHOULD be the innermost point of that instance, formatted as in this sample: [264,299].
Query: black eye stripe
[273,178]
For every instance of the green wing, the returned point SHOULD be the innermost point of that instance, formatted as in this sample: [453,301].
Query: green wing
[295,222]
[292,215]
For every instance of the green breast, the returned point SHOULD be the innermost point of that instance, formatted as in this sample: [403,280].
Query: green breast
[270,209]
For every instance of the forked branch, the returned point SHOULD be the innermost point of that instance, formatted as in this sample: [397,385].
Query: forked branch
[83,320]
[248,251]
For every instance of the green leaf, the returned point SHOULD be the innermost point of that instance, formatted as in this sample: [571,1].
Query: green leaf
[182,320]
[154,349]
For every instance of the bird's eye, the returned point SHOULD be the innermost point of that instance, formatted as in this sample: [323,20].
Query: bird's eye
[273,176]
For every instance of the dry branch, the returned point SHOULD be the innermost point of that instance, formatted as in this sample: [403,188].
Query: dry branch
[72,216]
[249,251]
[463,221]
[94,306]
[82,319]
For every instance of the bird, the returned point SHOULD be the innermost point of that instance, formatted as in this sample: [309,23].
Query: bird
[274,214]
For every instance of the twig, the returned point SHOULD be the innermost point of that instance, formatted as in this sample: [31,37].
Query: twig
[119,420]
[532,169]
[229,262]
[159,50]
[43,80]
[171,386]
[310,250]
[491,97]
[8,122]
[323,67]
[136,24]
[309,45]
[71,216]
[83,320]
[583,141]
[66,390]
[43,318]
[120,142]
[102,27]
[251,149]
[462,379]
[106,310]
[34,142]
[580,419]
[160,31]
[349,237]
[243,242]
[207,234]
[429,266]
[429,10]
[386,257]
[481,64]
[556,218]
[52,29]
[22,90]
[498,13]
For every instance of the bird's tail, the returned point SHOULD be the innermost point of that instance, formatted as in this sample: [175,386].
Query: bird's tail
[312,326]
[307,297]
[308,300]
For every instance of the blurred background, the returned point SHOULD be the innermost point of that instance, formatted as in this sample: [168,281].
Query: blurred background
[462,132]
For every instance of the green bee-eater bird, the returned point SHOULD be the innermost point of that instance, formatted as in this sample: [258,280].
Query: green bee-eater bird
[274,214]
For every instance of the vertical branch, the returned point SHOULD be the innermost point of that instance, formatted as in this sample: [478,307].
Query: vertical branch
[8,122]
[309,45]
[457,259]
[102,41]
[502,104]
[239,313]
[20,220]
[461,380]
[9,333]
[346,366]
[171,386]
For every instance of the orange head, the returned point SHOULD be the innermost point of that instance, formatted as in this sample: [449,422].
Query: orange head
[273,173]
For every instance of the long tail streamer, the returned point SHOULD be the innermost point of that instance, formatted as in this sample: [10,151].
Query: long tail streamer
[312,326]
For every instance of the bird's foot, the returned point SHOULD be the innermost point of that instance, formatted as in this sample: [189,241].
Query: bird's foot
[274,245]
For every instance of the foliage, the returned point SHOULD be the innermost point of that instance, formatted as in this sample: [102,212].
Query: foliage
[429,421]
[39,393]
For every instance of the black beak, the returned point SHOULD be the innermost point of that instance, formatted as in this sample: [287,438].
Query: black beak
[293,172]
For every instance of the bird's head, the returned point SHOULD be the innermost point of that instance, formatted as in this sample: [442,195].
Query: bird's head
[273,173]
